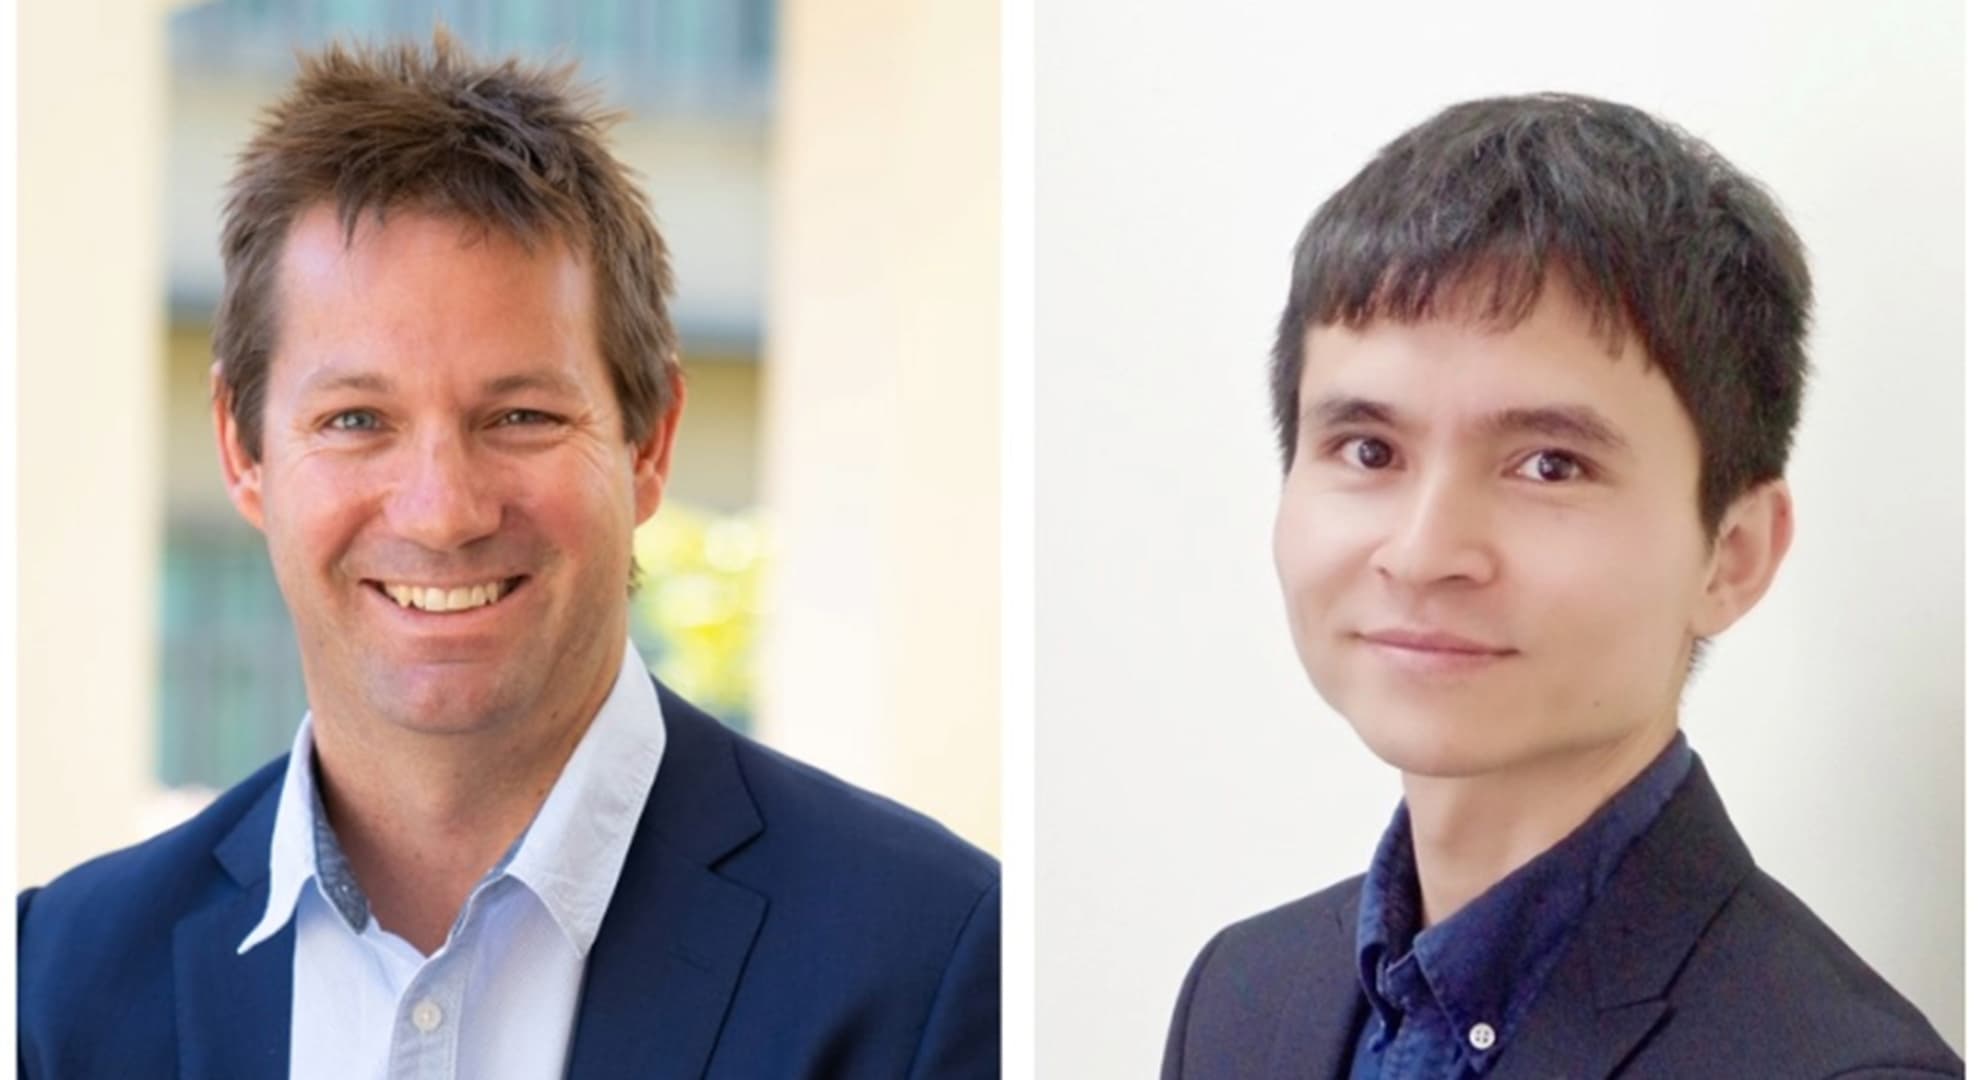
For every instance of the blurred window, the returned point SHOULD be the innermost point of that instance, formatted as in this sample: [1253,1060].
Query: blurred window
[703,56]
[230,681]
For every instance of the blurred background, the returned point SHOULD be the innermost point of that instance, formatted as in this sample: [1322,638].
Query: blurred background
[823,572]
[1189,774]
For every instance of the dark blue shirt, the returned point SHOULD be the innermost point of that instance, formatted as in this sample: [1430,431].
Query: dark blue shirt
[1446,1001]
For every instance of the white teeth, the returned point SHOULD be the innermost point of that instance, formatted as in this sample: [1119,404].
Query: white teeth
[441,600]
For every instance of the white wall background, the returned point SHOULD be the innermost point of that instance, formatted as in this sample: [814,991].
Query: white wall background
[1187,774]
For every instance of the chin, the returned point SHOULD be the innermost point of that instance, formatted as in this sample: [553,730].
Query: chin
[1448,744]
[1441,762]
[457,704]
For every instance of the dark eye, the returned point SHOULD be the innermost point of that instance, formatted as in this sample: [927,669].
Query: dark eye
[354,420]
[1552,467]
[1367,453]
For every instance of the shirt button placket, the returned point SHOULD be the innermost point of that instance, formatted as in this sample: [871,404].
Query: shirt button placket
[430,1024]
[427,1017]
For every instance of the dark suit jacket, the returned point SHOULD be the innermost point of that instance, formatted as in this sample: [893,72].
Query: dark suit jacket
[770,921]
[1691,963]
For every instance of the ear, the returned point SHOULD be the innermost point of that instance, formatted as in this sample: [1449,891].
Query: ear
[653,457]
[240,469]
[1752,539]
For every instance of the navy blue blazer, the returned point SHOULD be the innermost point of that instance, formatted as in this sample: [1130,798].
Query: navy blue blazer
[1691,963]
[770,921]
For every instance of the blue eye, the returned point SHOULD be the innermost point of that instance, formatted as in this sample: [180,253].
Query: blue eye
[354,420]
[526,417]
[1552,467]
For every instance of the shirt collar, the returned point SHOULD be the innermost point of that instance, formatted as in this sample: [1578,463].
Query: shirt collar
[292,848]
[1487,961]
[570,856]
[573,852]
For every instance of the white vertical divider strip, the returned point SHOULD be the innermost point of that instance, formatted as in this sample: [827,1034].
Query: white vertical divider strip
[1018,539]
[1972,159]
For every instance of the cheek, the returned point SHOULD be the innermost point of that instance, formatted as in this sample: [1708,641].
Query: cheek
[1284,546]
[1609,592]
[586,509]
[1316,548]
[1292,553]
[313,510]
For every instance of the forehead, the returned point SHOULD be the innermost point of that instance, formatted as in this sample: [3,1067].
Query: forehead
[318,249]
[419,285]
[1459,367]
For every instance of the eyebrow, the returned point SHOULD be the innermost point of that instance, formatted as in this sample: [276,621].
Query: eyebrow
[1573,423]
[1339,410]
[555,382]
[323,382]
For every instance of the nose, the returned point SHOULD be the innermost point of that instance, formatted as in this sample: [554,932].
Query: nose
[1440,533]
[442,499]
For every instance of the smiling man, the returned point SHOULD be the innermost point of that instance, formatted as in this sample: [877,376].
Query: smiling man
[1536,381]
[447,392]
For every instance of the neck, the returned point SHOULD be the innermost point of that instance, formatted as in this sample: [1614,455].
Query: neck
[422,817]
[1470,832]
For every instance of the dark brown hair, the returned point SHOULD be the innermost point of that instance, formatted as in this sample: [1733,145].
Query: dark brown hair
[501,146]
[1479,206]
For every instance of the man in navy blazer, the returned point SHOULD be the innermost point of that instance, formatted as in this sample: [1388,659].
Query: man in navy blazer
[1535,382]
[770,921]
[446,392]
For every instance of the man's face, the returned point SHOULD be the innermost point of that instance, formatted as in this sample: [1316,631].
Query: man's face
[1489,539]
[444,481]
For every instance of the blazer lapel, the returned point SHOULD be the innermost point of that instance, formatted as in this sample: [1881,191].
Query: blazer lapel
[671,950]
[1571,1034]
[1323,1017]
[233,1010]
[1606,997]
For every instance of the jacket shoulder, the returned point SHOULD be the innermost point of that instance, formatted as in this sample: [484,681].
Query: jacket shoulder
[104,933]
[1239,991]
[1768,964]
[865,834]
[145,879]
[888,921]
[1290,934]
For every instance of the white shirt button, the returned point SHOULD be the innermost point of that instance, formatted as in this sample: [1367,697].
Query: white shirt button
[426,1016]
[1482,1036]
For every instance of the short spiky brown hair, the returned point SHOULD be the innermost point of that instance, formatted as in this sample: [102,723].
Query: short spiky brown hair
[501,146]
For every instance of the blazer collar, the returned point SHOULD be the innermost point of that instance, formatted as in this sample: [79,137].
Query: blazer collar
[1608,993]
[671,950]
[668,957]
[1323,1016]
[233,1009]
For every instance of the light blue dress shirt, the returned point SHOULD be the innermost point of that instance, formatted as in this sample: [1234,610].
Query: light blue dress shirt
[498,998]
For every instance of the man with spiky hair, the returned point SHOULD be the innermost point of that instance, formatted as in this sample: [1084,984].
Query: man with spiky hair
[1535,384]
[446,393]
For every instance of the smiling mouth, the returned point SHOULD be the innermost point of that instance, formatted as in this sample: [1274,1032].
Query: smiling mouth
[447,600]
[1422,651]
